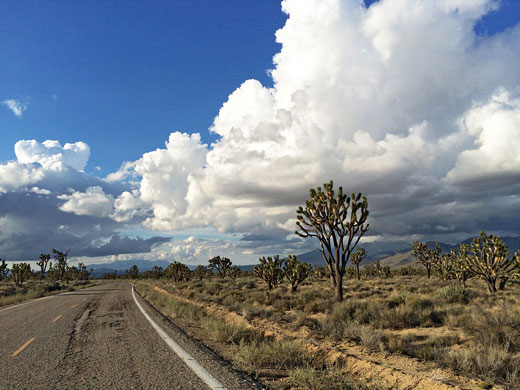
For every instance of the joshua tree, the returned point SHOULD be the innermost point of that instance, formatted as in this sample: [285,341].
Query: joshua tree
[178,272]
[461,271]
[61,262]
[357,257]
[132,272]
[3,270]
[489,259]
[426,256]
[270,270]
[20,272]
[338,221]
[44,261]
[157,272]
[445,265]
[234,271]
[201,272]
[295,271]
[221,265]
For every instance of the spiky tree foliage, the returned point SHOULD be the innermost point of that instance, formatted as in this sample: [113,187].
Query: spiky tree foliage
[44,261]
[157,272]
[338,221]
[20,272]
[444,266]
[460,269]
[201,272]
[370,271]
[83,274]
[221,265]
[489,259]
[270,270]
[295,271]
[357,257]
[426,256]
[320,271]
[3,270]
[178,272]
[233,272]
[61,262]
[132,272]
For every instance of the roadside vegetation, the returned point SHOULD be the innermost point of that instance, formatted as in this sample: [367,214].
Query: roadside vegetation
[20,283]
[350,326]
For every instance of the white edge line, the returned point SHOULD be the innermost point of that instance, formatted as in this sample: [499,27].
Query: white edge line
[185,356]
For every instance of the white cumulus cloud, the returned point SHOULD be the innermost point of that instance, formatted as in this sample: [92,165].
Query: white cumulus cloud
[52,155]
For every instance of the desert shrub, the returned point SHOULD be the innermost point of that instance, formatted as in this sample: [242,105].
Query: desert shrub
[219,330]
[332,377]
[270,354]
[493,361]
[454,294]
[499,327]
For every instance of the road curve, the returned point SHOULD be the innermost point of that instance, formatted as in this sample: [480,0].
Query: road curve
[97,338]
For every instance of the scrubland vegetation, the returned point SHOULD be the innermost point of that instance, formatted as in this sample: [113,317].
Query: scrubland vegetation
[20,283]
[279,333]
[352,327]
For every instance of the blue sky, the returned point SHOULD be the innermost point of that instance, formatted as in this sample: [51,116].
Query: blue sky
[121,78]
[415,103]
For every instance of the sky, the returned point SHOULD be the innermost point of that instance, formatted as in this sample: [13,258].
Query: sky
[185,130]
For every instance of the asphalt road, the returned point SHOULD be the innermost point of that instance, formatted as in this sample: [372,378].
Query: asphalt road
[97,338]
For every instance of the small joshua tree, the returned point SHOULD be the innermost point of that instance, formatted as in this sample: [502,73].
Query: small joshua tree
[295,271]
[178,272]
[221,265]
[426,256]
[270,270]
[461,271]
[338,221]
[20,272]
[61,262]
[489,259]
[132,272]
[44,261]
[357,257]
[233,272]
[3,270]
[201,272]
[445,265]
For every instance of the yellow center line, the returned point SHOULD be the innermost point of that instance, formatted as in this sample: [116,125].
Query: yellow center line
[73,306]
[57,318]
[19,350]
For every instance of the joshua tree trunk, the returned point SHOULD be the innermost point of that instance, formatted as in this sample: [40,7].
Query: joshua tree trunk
[357,269]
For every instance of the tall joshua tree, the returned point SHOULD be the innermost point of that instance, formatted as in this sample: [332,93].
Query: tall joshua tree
[357,257]
[44,261]
[3,270]
[222,265]
[61,262]
[489,259]
[338,221]
[426,256]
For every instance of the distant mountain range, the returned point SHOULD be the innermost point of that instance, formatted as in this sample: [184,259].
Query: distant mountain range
[393,254]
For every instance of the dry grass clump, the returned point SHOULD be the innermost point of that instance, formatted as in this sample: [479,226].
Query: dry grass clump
[11,294]
[331,377]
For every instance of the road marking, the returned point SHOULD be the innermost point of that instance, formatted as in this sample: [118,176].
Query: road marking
[19,350]
[73,306]
[57,318]
[185,356]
